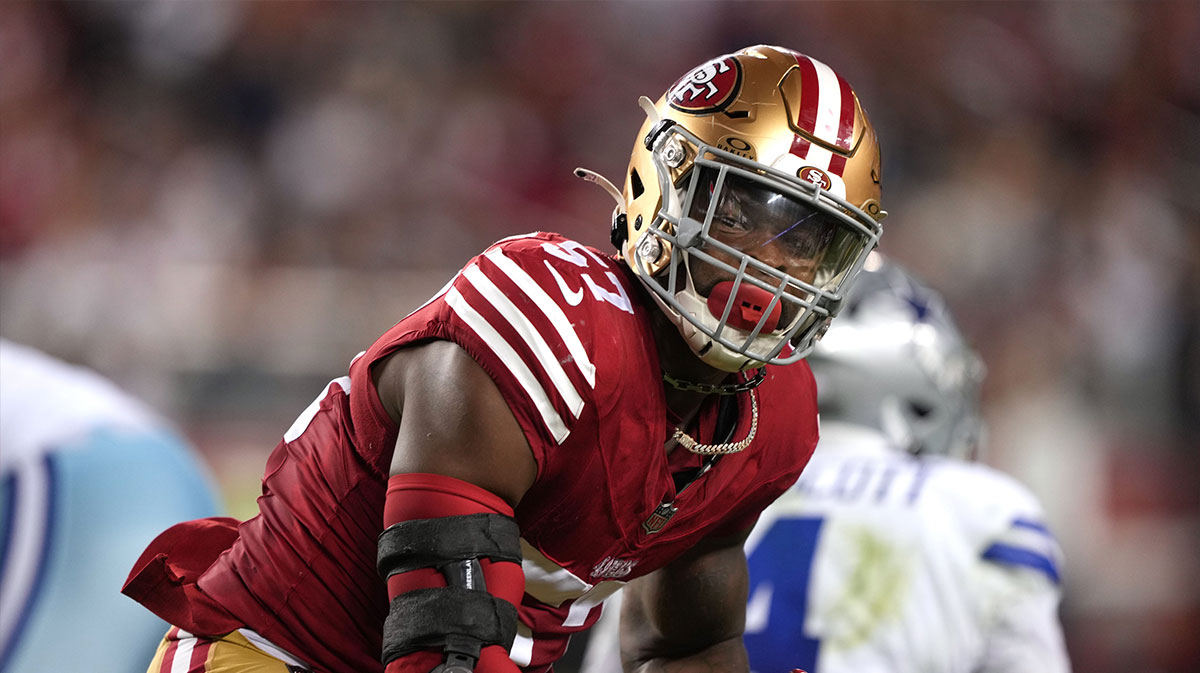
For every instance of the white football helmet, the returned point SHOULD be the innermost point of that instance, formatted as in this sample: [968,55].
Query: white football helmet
[895,361]
[751,201]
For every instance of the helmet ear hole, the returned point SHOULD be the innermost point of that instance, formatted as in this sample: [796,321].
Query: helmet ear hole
[919,409]
[635,182]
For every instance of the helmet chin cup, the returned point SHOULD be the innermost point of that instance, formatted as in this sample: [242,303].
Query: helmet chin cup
[710,352]
[745,310]
[696,320]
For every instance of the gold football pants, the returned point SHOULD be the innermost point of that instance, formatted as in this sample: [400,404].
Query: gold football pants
[181,652]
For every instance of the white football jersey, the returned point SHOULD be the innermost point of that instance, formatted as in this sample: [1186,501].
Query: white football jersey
[49,404]
[877,561]
[88,476]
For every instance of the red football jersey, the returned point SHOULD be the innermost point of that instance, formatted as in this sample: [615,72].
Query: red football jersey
[564,331]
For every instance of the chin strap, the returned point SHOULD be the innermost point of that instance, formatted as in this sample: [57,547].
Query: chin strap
[717,389]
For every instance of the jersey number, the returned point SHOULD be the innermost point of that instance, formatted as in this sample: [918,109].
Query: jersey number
[578,254]
[780,572]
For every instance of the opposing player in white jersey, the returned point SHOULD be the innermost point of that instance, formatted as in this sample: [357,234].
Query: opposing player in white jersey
[88,476]
[895,552]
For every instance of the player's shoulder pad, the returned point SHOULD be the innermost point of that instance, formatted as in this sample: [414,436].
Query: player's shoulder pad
[551,274]
[574,275]
[981,486]
[540,307]
[1005,517]
[569,292]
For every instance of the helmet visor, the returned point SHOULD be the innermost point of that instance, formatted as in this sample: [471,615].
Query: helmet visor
[793,238]
[782,230]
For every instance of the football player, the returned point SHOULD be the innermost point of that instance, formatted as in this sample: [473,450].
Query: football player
[88,476]
[557,423]
[895,551]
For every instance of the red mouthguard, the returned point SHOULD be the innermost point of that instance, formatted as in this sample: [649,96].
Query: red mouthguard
[748,306]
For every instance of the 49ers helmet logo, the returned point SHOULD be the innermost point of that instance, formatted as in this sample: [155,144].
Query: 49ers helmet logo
[708,88]
[816,176]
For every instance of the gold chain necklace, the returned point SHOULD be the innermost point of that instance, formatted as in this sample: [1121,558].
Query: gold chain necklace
[688,442]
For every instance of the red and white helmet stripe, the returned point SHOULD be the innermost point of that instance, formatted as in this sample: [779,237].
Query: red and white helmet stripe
[829,116]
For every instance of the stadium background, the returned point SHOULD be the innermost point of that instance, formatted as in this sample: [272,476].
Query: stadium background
[219,204]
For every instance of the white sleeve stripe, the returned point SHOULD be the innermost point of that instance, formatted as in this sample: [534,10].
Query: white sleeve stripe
[582,607]
[301,423]
[522,649]
[531,336]
[551,310]
[515,365]
[547,581]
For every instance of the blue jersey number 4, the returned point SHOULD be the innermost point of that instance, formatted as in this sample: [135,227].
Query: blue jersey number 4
[780,571]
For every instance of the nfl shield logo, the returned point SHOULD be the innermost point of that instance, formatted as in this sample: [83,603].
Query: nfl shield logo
[662,514]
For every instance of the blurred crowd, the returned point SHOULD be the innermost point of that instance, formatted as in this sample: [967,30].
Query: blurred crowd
[219,204]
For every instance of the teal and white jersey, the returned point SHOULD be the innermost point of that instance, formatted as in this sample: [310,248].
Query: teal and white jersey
[88,476]
[878,561]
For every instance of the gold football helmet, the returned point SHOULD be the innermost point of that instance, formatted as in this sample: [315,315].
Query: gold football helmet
[751,202]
